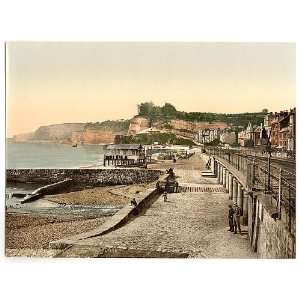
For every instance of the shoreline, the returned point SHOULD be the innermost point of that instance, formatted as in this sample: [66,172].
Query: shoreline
[29,234]
[51,142]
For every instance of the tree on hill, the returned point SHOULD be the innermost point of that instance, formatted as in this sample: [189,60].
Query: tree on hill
[145,108]
[168,110]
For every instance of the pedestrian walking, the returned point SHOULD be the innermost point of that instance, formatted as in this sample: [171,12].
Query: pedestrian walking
[236,219]
[165,196]
[230,218]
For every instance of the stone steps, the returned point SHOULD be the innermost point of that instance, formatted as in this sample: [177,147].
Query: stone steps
[208,173]
[201,189]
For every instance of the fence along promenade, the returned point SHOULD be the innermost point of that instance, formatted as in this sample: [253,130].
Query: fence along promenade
[262,175]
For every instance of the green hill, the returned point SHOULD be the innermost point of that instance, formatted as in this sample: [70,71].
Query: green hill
[169,112]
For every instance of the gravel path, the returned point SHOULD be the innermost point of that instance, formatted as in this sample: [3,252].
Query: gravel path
[191,223]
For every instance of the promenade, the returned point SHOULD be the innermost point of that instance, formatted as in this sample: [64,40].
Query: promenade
[189,224]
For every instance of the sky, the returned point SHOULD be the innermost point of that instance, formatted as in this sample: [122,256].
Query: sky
[61,82]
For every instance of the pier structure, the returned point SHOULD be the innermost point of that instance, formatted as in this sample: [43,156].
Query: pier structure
[126,155]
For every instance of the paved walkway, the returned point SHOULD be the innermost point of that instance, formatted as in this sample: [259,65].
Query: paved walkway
[188,224]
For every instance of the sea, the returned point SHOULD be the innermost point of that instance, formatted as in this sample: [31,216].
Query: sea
[50,156]
[53,156]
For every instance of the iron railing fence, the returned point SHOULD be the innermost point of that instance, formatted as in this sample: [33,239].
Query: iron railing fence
[263,175]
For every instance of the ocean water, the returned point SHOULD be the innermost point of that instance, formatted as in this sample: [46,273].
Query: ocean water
[48,155]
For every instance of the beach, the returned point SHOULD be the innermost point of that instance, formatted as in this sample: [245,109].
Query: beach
[30,234]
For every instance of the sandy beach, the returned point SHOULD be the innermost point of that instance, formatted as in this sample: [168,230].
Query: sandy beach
[29,235]
[108,195]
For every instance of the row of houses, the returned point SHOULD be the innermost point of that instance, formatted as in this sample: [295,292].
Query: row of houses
[208,135]
[277,128]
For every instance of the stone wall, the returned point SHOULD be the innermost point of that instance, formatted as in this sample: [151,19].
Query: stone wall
[273,238]
[268,237]
[93,177]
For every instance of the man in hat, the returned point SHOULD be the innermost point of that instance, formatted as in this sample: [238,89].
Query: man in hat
[236,218]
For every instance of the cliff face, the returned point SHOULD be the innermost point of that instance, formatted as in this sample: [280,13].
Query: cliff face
[178,127]
[188,129]
[57,132]
[138,124]
[106,132]
[23,137]
[69,133]
[194,126]
[93,136]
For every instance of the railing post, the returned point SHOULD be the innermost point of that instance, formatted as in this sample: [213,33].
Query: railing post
[279,194]
[290,210]
[230,186]
[253,173]
[269,173]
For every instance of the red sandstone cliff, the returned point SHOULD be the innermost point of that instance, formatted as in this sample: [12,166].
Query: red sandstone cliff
[179,127]
[93,136]
[91,133]
[194,126]
[138,124]
[70,133]
[188,129]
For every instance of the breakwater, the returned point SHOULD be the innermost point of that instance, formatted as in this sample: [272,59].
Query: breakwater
[92,177]
[119,219]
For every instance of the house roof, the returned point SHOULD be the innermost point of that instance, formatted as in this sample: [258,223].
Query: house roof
[123,147]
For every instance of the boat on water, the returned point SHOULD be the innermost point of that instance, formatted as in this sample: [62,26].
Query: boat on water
[74,145]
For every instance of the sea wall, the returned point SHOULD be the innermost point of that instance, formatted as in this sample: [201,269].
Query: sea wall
[93,177]
[268,235]
[271,237]
[119,219]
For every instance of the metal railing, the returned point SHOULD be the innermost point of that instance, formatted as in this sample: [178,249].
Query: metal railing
[263,175]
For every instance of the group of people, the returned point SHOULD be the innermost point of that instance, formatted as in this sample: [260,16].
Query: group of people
[234,216]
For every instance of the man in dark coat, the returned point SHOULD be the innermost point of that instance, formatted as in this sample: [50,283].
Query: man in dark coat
[230,218]
[236,219]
